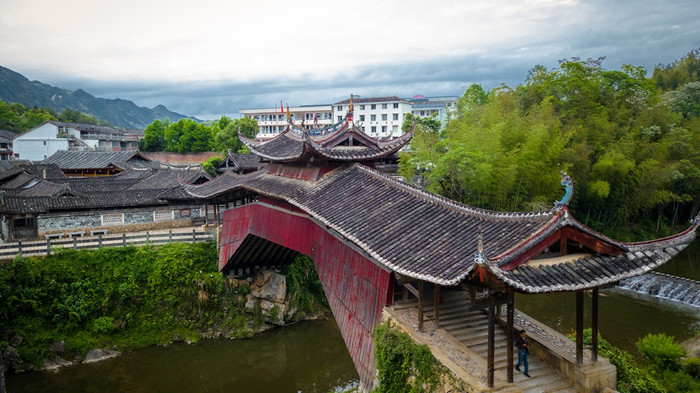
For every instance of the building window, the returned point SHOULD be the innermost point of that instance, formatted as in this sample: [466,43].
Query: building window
[363,128]
[384,117]
[383,106]
[373,117]
[395,116]
[340,118]
[396,105]
[162,215]
[373,106]
[362,117]
[339,107]
[44,143]
[374,129]
[394,128]
[384,129]
[112,218]
[362,107]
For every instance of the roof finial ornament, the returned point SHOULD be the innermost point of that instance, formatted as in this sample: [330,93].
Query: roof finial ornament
[568,185]
[479,257]
[351,110]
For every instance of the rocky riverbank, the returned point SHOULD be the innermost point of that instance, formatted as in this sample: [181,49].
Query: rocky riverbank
[265,298]
[84,306]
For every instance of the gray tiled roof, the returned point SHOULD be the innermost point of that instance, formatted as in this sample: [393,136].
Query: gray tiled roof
[428,237]
[92,159]
[296,146]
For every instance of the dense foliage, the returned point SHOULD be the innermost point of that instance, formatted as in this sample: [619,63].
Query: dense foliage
[631,144]
[305,287]
[402,365]
[128,297]
[18,118]
[663,372]
[187,135]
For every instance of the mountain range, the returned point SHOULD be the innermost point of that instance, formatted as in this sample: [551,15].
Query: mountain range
[14,87]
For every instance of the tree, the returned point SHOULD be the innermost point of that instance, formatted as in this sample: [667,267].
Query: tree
[154,136]
[226,133]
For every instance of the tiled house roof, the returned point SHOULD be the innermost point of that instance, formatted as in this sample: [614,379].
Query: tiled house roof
[96,159]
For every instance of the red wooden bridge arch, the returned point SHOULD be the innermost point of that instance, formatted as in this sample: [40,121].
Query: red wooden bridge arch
[357,288]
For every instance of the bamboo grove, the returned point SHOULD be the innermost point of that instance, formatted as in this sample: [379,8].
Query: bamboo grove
[630,142]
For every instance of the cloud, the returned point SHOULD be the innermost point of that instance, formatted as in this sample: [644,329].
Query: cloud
[213,57]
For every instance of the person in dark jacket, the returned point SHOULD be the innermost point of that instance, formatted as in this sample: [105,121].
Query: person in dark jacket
[523,352]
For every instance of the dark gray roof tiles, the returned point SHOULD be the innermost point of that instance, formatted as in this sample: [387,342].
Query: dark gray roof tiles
[409,230]
[588,271]
[93,159]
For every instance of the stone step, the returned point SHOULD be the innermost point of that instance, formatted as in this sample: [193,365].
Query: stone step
[554,386]
[542,383]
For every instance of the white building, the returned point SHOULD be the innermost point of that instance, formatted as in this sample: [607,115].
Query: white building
[379,117]
[272,121]
[44,140]
[422,106]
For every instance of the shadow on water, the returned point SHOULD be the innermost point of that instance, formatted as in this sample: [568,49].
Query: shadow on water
[306,357]
[624,316]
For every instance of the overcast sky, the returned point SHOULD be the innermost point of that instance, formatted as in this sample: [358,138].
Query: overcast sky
[206,58]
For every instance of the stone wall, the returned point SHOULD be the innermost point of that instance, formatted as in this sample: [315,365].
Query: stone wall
[134,220]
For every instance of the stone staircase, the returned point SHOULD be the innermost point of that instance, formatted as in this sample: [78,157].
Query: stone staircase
[471,329]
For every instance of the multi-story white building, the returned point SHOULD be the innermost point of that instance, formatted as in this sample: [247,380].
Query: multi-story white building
[273,121]
[379,117]
[422,106]
[44,140]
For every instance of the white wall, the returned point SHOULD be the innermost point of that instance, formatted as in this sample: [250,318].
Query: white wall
[39,143]
[392,126]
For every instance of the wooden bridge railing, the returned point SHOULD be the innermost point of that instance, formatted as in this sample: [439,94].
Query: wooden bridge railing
[45,247]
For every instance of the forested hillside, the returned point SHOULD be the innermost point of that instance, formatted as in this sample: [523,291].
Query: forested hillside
[630,142]
[15,88]
[18,118]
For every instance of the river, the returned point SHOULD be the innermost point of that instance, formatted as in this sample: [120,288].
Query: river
[305,357]
[311,356]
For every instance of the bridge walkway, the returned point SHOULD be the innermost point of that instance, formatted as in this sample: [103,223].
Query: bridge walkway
[470,329]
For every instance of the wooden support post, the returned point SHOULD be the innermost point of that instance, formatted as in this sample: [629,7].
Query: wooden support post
[594,325]
[148,238]
[404,295]
[124,239]
[579,327]
[436,304]
[510,317]
[206,214]
[48,246]
[491,340]
[170,235]
[194,236]
[75,242]
[19,247]
[99,241]
[420,305]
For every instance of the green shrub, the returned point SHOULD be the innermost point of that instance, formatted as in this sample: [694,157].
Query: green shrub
[104,325]
[630,377]
[661,351]
[692,367]
[402,365]
[304,287]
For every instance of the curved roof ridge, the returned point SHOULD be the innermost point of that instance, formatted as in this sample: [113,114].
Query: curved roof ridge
[448,203]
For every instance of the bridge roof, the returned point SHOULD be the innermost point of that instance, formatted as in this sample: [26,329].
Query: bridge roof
[346,144]
[425,236]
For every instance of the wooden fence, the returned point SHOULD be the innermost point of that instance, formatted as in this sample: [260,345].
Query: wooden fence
[45,247]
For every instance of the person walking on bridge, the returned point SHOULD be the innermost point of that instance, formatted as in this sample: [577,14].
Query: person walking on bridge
[523,352]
